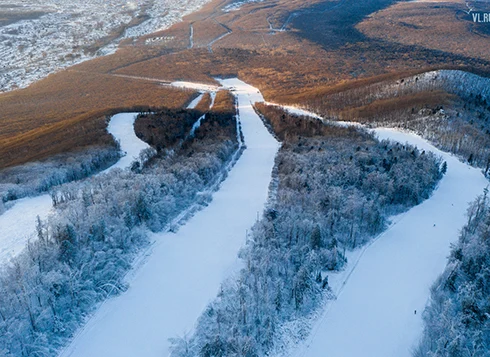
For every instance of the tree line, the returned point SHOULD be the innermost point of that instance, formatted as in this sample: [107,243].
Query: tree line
[450,108]
[37,177]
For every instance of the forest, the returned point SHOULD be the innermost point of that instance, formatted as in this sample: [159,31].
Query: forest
[457,318]
[449,108]
[334,190]
[99,227]
[36,177]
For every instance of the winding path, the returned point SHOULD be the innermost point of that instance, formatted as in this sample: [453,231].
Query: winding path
[18,224]
[184,271]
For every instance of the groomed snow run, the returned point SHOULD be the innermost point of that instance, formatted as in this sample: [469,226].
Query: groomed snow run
[184,270]
[296,110]
[197,86]
[18,224]
[374,313]
[121,127]
[195,102]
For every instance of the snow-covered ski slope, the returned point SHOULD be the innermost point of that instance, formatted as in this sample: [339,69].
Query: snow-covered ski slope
[185,269]
[18,224]
[195,102]
[374,313]
[121,127]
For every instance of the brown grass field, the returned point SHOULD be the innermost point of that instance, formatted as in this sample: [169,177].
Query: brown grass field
[48,118]
[328,46]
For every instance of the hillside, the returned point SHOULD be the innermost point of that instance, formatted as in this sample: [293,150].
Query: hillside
[282,47]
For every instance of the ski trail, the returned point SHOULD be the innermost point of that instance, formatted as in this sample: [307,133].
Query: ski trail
[373,314]
[18,224]
[219,38]
[184,272]
[191,36]
[213,99]
[121,127]
[195,102]
[196,126]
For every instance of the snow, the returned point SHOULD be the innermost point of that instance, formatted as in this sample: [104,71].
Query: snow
[18,224]
[191,37]
[185,269]
[373,314]
[36,46]
[304,112]
[377,294]
[196,125]
[238,5]
[296,110]
[121,127]
[195,102]
[197,86]
[213,99]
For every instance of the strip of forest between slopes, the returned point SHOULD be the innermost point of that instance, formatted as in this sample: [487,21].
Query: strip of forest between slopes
[336,189]
[100,225]
[457,318]
[449,108]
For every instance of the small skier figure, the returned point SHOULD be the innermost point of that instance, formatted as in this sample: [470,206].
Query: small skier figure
[415,312]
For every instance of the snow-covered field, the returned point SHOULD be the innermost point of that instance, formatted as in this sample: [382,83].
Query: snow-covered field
[34,47]
[18,224]
[183,274]
[374,313]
